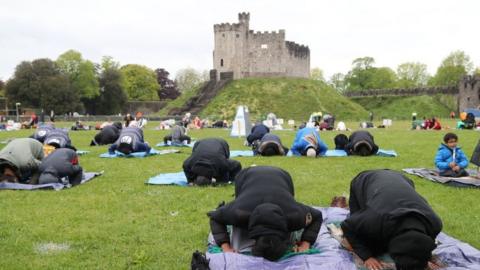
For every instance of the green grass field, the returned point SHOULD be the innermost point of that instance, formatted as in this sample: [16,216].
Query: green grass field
[118,222]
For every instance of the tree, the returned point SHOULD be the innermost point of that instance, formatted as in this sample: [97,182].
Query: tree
[188,78]
[337,81]
[456,65]
[477,71]
[2,87]
[168,88]
[411,74]
[82,73]
[109,63]
[139,82]
[317,74]
[364,76]
[112,97]
[363,62]
[40,84]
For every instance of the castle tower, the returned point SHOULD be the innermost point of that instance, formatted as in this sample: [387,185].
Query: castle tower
[469,93]
[240,52]
[230,41]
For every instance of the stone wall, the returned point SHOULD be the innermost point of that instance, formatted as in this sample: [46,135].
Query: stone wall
[469,93]
[257,54]
[453,90]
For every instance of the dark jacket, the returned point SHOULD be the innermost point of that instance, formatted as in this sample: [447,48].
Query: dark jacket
[270,141]
[383,204]
[210,158]
[257,132]
[361,137]
[132,136]
[58,138]
[41,132]
[60,163]
[107,135]
[271,186]
[23,155]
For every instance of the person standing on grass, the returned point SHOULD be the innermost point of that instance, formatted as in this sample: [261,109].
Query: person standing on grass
[264,216]
[210,163]
[388,215]
[308,143]
[450,159]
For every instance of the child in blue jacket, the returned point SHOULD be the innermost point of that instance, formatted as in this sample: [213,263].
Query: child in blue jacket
[450,159]
[308,143]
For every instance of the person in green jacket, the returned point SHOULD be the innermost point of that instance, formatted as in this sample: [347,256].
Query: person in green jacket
[20,159]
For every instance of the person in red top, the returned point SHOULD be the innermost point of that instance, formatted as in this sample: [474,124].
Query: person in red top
[436,124]
[427,123]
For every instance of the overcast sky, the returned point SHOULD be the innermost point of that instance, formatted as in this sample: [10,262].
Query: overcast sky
[179,33]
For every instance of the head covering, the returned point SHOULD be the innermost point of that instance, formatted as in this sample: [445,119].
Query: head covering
[311,152]
[267,219]
[270,150]
[125,148]
[202,181]
[411,249]
[204,168]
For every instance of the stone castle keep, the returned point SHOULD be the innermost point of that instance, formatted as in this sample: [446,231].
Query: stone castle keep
[240,52]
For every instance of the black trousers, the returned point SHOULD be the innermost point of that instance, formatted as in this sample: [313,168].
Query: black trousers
[451,173]
[181,139]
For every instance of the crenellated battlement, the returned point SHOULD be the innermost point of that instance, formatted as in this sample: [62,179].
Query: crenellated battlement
[273,35]
[297,50]
[244,16]
[223,27]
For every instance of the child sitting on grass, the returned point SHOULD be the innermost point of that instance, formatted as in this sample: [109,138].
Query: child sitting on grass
[450,159]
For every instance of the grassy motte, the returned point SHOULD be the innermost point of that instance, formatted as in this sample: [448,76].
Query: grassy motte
[287,98]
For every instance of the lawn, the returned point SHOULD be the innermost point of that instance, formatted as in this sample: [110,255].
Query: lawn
[118,222]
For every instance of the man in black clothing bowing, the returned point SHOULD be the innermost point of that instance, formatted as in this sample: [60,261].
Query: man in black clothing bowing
[388,215]
[264,215]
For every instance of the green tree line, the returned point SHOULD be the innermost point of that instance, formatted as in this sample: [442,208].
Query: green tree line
[74,84]
[365,75]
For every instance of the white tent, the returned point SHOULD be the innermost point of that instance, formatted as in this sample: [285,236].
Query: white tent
[241,126]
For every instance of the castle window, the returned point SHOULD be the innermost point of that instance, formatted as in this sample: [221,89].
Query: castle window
[264,46]
[221,62]
[238,35]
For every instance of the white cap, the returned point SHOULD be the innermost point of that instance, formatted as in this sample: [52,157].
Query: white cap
[311,152]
